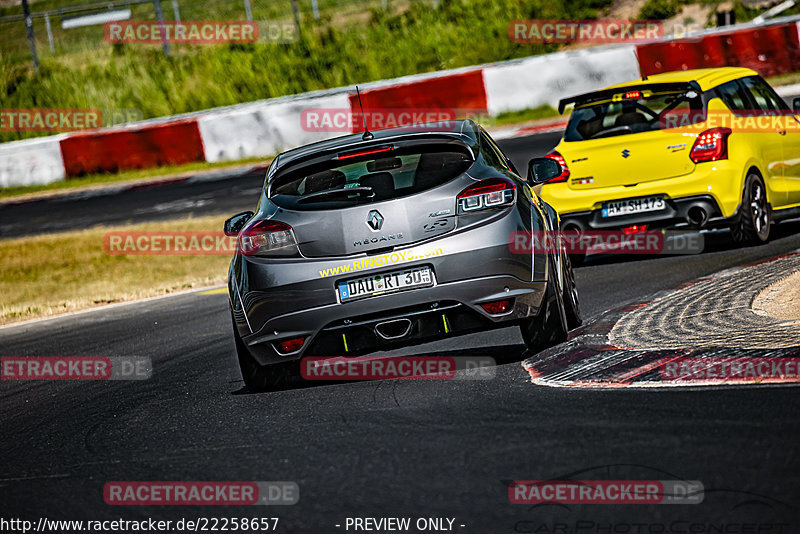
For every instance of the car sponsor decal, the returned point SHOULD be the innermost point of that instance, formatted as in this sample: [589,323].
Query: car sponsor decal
[391,258]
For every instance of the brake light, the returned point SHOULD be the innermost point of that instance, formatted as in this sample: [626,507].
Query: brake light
[635,229]
[268,238]
[366,152]
[489,193]
[633,95]
[711,145]
[292,345]
[564,176]
[498,306]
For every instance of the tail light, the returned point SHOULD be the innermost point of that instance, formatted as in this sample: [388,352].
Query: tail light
[486,194]
[635,229]
[268,238]
[711,145]
[564,176]
[291,345]
[498,306]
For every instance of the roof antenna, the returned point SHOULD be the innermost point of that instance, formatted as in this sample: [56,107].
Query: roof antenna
[367,134]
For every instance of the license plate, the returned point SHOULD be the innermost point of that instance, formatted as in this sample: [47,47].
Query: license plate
[379,284]
[633,205]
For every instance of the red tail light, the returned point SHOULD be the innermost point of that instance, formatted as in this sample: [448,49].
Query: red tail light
[268,238]
[564,176]
[635,229]
[498,306]
[711,145]
[292,345]
[489,193]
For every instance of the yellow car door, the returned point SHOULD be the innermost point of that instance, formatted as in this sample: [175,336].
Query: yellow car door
[776,145]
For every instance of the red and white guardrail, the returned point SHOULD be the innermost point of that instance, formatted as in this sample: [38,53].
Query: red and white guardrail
[266,127]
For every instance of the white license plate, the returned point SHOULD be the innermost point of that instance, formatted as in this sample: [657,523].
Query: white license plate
[378,284]
[633,205]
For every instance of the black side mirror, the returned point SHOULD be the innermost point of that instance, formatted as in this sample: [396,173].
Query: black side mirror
[235,224]
[541,170]
[796,104]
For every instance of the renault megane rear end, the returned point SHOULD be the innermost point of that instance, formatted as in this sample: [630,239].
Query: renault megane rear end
[363,243]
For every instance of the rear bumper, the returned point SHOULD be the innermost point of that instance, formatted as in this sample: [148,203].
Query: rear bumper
[428,313]
[721,181]
[680,213]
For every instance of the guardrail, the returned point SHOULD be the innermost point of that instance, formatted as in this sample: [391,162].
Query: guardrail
[266,127]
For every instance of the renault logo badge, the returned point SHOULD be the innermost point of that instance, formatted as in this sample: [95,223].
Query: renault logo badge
[375,220]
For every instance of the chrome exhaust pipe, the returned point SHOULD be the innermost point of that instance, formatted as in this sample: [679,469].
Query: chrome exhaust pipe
[697,216]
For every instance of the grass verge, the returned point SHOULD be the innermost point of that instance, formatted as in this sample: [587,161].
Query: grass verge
[52,274]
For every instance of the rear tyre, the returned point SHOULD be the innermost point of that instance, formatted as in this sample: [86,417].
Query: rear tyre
[257,377]
[576,258]
[549,326]
[572,305]
[753,222]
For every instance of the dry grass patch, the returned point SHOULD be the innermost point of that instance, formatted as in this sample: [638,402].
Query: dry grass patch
[57,273]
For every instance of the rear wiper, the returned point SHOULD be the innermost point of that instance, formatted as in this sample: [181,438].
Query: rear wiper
[362,190]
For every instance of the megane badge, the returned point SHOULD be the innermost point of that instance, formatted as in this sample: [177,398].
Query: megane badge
[626,153]
[375,220]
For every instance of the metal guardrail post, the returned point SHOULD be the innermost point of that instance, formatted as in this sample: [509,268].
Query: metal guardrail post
[26,11]
[175,11]
[160,17]
[49,33]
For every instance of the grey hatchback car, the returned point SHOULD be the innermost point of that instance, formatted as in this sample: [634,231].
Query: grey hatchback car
[392,238]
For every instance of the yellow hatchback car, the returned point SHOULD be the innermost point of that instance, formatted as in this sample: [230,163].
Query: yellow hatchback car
[704,148]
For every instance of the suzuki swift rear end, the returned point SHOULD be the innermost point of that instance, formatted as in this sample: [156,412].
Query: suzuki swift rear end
[700,149]
[363,243]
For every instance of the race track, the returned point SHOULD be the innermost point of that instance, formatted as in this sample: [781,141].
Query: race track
[399,448]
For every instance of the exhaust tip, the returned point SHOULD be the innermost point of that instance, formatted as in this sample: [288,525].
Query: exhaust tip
[697,216]
[394,329]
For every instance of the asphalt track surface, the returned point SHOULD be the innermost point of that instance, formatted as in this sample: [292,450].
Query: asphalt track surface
[387,449]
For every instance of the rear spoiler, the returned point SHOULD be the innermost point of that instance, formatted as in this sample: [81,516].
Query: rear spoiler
[606,94]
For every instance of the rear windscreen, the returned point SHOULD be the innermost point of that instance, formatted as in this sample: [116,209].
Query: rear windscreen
[389,174]
[635,112]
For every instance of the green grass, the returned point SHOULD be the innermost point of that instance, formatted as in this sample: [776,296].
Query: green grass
[347,46]
[515,117]
[125,176]
[784,79]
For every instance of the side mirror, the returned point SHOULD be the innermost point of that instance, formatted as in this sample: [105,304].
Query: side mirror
[796,104]
[541,170]
[235,224]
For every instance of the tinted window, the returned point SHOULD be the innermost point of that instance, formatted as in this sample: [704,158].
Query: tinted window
[764,97]
[369,178]
[491,153]
[733,95]
[645,113]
